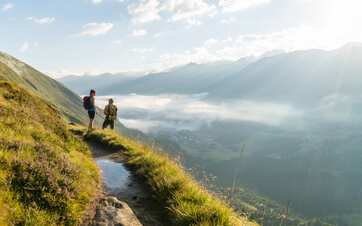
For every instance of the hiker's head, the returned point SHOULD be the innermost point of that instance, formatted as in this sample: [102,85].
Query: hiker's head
[92,92]
[110,101]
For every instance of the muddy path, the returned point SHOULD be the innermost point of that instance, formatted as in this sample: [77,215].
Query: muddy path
[120,182]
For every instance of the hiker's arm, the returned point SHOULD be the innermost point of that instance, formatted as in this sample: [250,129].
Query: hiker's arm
[106,110]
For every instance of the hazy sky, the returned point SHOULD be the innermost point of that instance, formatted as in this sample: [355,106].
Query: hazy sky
[94,36]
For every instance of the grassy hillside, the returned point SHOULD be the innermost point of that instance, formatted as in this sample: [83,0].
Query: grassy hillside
[47,176]
[187,203]
[20,73]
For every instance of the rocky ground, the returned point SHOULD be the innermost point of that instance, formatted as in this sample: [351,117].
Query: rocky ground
[110,211]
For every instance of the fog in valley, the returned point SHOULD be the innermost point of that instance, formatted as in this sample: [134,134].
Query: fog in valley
[189,112]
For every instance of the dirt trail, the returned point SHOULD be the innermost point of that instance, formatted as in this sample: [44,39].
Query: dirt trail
[126,186]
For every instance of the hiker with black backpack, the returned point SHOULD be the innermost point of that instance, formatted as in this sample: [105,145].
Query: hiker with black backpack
[89,105]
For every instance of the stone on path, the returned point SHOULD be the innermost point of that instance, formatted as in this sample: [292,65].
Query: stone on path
[110,211]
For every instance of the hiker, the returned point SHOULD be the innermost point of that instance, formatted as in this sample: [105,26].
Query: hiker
[89,105]
[110,112]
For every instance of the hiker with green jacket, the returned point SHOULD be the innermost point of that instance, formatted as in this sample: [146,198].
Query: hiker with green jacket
[110,111]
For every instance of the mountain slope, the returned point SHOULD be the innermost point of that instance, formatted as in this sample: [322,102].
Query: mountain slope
[20,73]
[47,176]
[303,77]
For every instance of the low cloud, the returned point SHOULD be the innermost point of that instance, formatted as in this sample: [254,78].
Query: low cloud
[190,112]
[188,10]
[177,10]
[7,6]
[118,42]
[97,1]
[183,111]
[229,20]
[139,32]
[43,20]
[240,5]
[24,47]
[96,29]
[145,11]
[27,45]
[142,50]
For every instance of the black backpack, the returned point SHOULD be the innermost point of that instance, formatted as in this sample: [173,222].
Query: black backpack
[87,102]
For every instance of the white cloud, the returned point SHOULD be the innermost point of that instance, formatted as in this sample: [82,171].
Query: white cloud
[210,42]
[95,29]
[177,10]
[27,45]
[193,22]
[229,20]
[118,42]
[239,5]
[186,10]
[7,6]
[142,50]
[24,47]
[157,35]
[139,33]
[145,11]
[97,1]
[43,20]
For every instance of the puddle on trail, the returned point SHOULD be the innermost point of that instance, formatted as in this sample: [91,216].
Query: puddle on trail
[114,174]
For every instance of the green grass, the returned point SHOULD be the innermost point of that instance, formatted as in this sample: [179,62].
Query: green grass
[186,202]
[47,175]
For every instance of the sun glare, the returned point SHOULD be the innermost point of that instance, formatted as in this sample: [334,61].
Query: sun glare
[341,20]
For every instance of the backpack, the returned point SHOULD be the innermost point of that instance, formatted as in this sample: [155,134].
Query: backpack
[86,102]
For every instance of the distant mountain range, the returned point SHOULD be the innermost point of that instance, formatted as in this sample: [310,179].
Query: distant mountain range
[301,77]
[190,78]
[82,84]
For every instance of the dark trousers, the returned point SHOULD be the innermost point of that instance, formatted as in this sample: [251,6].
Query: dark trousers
[108,122]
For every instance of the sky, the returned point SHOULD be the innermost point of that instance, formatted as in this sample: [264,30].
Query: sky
[62,37]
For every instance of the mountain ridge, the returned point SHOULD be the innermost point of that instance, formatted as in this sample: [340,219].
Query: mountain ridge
[275,74]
